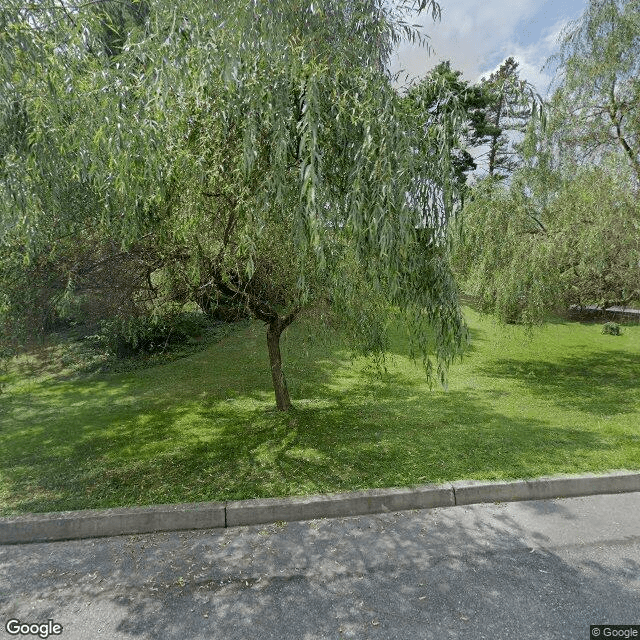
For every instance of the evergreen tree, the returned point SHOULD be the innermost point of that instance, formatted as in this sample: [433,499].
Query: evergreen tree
[512,102]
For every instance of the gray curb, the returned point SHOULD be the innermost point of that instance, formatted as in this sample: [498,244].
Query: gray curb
[67,525]
[337,505]
[472,492]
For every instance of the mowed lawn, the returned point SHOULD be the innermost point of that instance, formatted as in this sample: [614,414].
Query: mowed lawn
[564,399]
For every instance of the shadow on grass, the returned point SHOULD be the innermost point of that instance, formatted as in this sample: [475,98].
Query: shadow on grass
[379,433]
[606,383]
[203,429]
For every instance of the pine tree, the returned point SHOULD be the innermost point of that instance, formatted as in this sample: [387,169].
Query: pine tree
[511,105]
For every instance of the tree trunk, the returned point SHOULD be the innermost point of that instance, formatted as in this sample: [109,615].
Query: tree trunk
[493,145]
[276,327]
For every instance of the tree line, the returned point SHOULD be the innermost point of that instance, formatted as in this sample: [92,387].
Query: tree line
[565,228]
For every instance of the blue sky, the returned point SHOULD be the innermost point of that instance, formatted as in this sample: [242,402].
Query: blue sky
[478,35]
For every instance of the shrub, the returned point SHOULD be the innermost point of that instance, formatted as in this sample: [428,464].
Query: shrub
[127,337]
[611,328]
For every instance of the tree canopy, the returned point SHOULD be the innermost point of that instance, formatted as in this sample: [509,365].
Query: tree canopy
[260,150]
[511,103]
[524,254]
[596,103]
[442,93]
[565,230]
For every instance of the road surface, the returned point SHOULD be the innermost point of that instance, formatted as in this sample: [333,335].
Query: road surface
[530,570]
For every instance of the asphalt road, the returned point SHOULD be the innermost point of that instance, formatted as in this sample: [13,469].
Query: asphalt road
[529,570]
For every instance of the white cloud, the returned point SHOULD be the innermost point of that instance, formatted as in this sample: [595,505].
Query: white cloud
[470,35]
[532,58]
[478,36]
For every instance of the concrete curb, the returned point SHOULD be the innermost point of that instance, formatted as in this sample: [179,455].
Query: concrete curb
[68,525]
[358,503]
[473,492]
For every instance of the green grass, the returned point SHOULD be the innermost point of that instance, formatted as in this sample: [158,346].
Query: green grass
[565,400]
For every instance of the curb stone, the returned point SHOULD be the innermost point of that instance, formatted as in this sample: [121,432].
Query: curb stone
[68,525]
[473,491]
[94,523]
[245,512]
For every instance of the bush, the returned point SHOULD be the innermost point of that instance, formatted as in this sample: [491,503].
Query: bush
[127,337]
[611,328]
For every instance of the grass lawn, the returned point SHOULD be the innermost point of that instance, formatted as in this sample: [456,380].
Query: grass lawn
[564,400]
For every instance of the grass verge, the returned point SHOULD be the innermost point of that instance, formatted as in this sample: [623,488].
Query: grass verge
[565,399]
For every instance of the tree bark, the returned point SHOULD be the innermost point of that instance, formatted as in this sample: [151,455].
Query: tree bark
[616,119]
[276,327]
[276,324]
[627,149]
[493,146]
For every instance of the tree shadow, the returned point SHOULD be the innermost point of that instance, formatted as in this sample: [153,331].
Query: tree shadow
[381,433]
[606,383]
[202,429]
[424,574]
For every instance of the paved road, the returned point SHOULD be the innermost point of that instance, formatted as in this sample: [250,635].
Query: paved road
[530,570]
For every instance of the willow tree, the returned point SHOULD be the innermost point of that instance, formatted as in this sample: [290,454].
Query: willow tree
[264,139]
[550,240]
[443,93]
[565,231]
[597,98]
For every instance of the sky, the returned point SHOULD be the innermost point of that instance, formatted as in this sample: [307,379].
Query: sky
[478,35]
